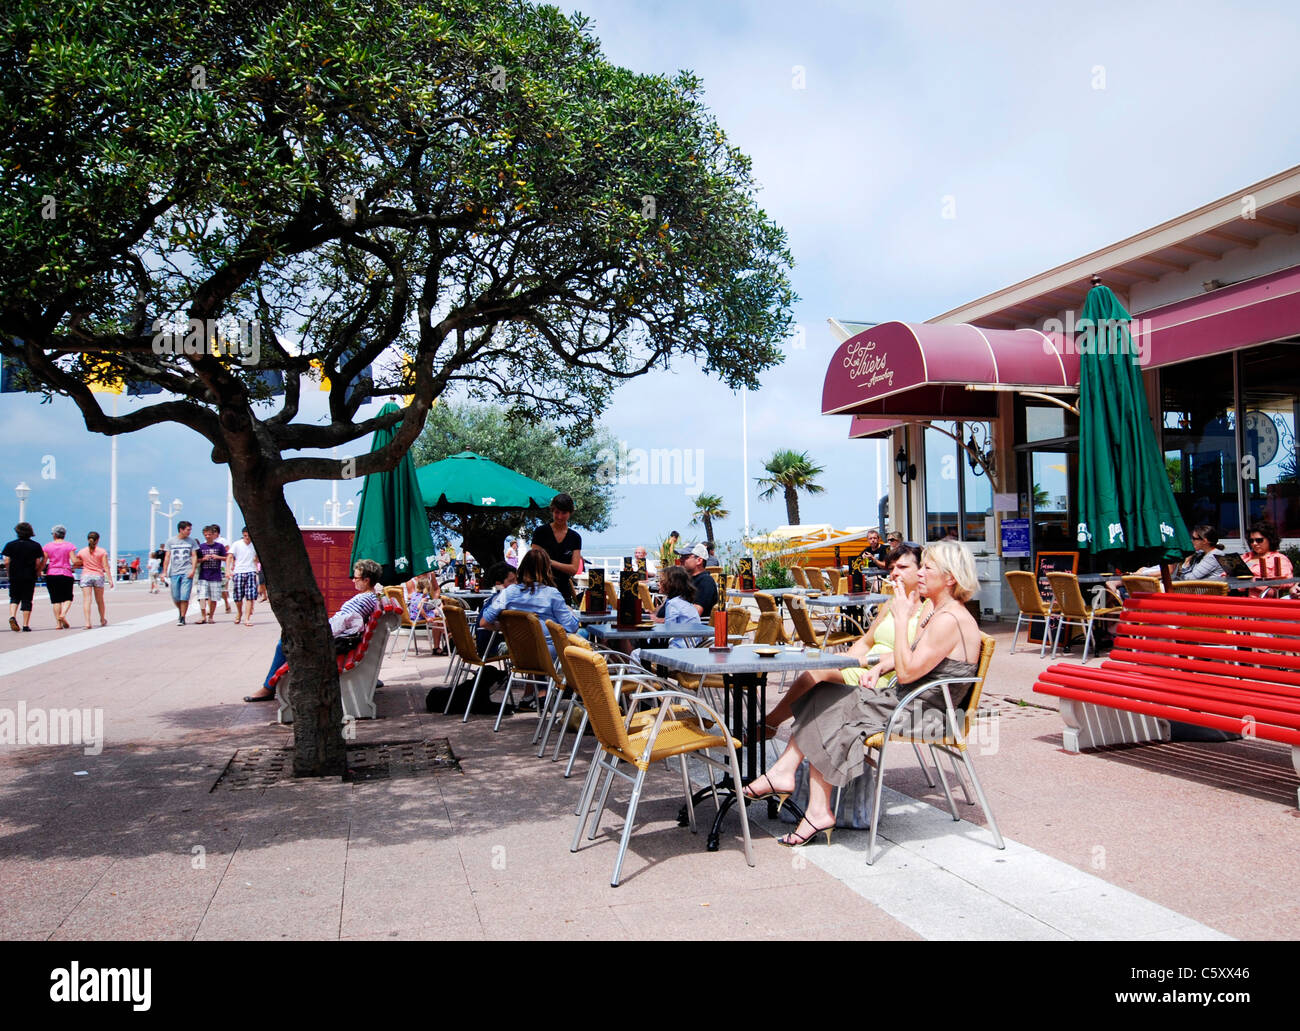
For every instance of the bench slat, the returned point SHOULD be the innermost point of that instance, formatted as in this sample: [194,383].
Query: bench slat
[1233,683]
[1164,624]
[1210,669]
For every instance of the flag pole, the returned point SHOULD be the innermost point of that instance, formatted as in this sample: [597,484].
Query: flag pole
[112,502]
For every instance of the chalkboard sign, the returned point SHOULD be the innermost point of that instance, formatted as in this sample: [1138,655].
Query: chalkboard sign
[594,599]
[1051,562]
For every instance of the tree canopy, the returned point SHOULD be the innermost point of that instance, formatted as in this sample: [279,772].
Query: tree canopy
[401,196]
[536,449]
[709,507]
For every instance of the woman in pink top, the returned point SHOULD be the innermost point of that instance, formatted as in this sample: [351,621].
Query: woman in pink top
[93,561]
[58,574]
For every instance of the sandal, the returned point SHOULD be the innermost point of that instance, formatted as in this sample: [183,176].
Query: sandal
[793,840]
[754,796]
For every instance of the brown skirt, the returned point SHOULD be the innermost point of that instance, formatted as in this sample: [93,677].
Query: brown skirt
[832,720]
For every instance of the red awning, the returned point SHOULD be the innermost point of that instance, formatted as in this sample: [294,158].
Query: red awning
[900,370]
[861,428]
[1257,311]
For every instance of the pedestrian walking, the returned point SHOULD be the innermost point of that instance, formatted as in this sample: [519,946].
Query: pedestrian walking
[155,571]
[59,580]
[241,567]
[178,567]
[24,560]
[95,574]
[209,560]
[225,570]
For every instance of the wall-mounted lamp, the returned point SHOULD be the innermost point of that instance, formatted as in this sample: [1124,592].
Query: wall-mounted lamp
[905,471]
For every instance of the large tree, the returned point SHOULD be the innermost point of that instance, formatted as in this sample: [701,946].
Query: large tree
[790,472]
[533,447]
[709,507]
[403,194]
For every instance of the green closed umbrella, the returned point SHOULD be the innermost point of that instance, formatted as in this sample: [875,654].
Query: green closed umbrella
[392,527]
[466,481]
[1126,506]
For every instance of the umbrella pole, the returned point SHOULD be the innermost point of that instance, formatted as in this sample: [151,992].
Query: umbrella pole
[1166,579]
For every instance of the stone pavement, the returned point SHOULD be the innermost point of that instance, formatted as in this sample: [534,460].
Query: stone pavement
[134,842]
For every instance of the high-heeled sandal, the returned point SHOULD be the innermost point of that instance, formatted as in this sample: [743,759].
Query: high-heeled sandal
[780,795]
[804,839]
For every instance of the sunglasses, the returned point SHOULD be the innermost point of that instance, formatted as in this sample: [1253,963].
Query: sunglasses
[1258,540]
[1195,538]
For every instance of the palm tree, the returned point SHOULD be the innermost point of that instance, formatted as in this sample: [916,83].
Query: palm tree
[792,471]
[708,507]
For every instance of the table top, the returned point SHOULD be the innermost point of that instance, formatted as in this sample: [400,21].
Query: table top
[594,617]
[776,592]
[468,595]
[1285,581]
[610,632]
[741,659]
[834,601]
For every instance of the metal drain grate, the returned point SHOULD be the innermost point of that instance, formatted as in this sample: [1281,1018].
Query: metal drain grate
[253,769]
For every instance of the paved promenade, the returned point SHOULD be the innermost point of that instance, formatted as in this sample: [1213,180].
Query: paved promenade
[133,842]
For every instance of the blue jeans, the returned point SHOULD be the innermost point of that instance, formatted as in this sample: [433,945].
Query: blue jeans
[276,663]
[181,586]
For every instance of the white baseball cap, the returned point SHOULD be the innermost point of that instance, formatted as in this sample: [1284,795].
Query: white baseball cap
[698,550]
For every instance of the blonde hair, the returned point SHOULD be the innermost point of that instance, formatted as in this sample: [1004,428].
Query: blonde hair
[951,558]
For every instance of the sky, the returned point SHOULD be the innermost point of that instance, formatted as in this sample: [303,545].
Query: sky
[1048,131]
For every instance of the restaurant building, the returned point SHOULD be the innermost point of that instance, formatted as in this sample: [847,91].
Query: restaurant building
[977,405]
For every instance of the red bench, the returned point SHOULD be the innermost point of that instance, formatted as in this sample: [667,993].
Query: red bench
[1230,664]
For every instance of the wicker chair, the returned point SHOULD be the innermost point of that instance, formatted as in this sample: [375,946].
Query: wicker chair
[1025,588]
[800,576]
[815,581]
[666,737]
[467,652]
[530,662]
[833,576]
[1142,584]
[767,603]
[951,741]
[1072,610]
[408,626]
[807,633]
[1215,587]
[769,629]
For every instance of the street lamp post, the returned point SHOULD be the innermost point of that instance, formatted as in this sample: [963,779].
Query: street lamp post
[334,511]
[171,513]
[23,492]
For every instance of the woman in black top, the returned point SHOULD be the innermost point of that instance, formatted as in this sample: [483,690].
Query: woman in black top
[562,545]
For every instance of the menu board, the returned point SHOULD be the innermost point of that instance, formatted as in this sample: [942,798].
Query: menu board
[629,599]
[330,554]
[859,568]
[594,600]
[745,574]
[1053,562]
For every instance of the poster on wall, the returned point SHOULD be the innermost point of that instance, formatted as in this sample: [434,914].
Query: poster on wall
[1015,538]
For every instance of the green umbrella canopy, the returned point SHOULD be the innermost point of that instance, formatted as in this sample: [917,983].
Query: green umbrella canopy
[467,481]
[1126,506]
[392,527]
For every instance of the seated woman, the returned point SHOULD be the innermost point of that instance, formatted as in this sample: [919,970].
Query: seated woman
[678,608]
[831,722]
[351,617]
[534,592]
[1201,563]
[1265,561]
[874,650]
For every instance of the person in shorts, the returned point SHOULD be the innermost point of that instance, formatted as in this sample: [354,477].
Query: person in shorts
[209,562]
[178,567]
[24,560]
[95,574]
[58,574]
[225,569]
[241,567]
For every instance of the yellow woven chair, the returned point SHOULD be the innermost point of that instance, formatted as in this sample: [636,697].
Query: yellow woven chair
[1024,586]
[1216,587]
[1135,584]
[467,652]
[767,603]
[833,577]
[647,599]
[950,739]
[664,738]
[611,595]
[738,621]
[530,662]
[1072,610]
[799,575]
[804,630]
[769,629]
[814,577]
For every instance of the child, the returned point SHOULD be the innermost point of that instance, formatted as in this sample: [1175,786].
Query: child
[677,610]
[424,603]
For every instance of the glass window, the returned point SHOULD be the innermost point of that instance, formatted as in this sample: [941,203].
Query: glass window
[1200,440]
[941,470]
[958,502]
[1270,400]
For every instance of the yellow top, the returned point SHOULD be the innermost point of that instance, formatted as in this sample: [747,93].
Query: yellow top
[884,643]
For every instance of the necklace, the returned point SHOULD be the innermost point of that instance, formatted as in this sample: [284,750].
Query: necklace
[933,613]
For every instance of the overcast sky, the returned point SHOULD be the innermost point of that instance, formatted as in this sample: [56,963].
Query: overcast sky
[1053,129]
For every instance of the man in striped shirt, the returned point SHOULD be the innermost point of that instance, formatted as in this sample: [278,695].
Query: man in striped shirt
[351,617]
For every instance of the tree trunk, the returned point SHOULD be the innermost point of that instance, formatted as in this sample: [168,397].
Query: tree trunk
[296,600]
[708,528]
[792,505]
[486,545]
